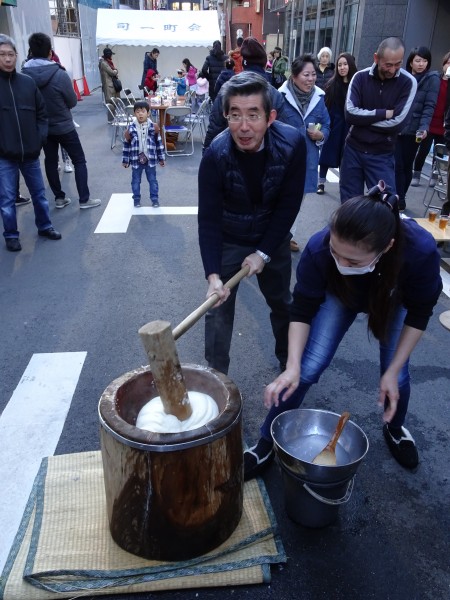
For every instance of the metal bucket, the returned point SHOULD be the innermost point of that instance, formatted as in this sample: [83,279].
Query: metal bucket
[171,496]
[314,493]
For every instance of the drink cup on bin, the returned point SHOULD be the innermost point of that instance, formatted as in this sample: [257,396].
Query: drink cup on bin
[443,222]
[432,214]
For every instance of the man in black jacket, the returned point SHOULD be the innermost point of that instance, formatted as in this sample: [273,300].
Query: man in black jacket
[59,97]
[23,129]
[251,182]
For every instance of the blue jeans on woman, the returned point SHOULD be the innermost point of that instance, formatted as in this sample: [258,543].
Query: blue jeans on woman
[9,173]
[136,176]
[327,330]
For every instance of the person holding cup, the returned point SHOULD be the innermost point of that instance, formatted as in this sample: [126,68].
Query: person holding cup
[305,107]
[418,64]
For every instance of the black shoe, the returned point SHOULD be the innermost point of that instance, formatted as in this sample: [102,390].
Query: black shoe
[321,189]
[21,201]
[13,244]
[402,446]
[51,234]
[257,458]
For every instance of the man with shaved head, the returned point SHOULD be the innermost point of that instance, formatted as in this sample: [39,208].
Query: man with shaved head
[377,106]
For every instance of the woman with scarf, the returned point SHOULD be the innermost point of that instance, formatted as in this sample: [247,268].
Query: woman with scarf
[418,64]
[107,72]
[335,93]
[305,105]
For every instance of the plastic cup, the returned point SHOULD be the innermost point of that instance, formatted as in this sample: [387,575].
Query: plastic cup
[419,135]
[311,125]
[443,222]
[432,214]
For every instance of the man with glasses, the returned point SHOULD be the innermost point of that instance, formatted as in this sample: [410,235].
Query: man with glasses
[251,181]
[23,130]
[377,107]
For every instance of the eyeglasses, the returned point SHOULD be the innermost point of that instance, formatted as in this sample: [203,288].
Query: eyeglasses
[8,55]
[252,118]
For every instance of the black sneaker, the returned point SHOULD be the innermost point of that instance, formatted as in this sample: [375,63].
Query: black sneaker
[257,458]
[21,201]
[402,446]
[13,244]
[50,233]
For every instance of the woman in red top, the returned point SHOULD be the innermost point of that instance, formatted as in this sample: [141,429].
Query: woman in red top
[436,131]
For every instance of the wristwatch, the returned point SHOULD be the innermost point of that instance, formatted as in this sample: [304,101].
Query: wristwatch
[265,257]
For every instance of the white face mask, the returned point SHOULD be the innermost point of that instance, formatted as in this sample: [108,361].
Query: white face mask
[357,270]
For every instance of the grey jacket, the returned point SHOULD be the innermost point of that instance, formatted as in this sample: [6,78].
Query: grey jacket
[56,88]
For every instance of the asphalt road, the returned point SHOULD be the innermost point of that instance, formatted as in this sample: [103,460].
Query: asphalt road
[90,292]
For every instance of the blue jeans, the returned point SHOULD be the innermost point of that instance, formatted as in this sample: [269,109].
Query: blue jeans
[70,142]
[136,176]
[327,330]
[359,168]
[9,173]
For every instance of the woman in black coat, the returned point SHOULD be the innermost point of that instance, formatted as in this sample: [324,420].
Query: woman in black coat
[428,83]
[335,93]
[213,66]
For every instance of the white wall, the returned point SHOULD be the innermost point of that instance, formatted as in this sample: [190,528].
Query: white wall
[30,16]
[129,60]
[69,52]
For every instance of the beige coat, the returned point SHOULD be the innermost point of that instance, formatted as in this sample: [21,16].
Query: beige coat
[107,74]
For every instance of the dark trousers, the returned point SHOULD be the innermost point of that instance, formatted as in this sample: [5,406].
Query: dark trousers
[359,168]
[72,145]
[274,283]
[405,153]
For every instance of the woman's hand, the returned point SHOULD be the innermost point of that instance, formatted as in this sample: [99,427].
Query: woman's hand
[389,392]
[315,135]
[287,381]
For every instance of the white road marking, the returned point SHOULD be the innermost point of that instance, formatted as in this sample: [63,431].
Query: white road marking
[120,209]
[333,175]
[30,427]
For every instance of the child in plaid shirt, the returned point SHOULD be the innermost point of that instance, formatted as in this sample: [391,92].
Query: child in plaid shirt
[143,148]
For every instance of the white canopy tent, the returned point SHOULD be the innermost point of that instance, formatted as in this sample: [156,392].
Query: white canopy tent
[177,34]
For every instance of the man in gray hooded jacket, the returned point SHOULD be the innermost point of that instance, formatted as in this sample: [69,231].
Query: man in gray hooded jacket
[59,96]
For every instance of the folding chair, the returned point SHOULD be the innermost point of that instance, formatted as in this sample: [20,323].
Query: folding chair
[125,111]
[130,97]
[441,166]
[118,123]
[200,119]
[182,131]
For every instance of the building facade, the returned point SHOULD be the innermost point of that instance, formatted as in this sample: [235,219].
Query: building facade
[358,26]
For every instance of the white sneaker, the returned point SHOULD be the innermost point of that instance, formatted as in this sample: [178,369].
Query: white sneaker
[68,167]
[76,124]
[91,203]
[62,202]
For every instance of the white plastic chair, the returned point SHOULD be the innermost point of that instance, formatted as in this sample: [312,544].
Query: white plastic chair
[184,145]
